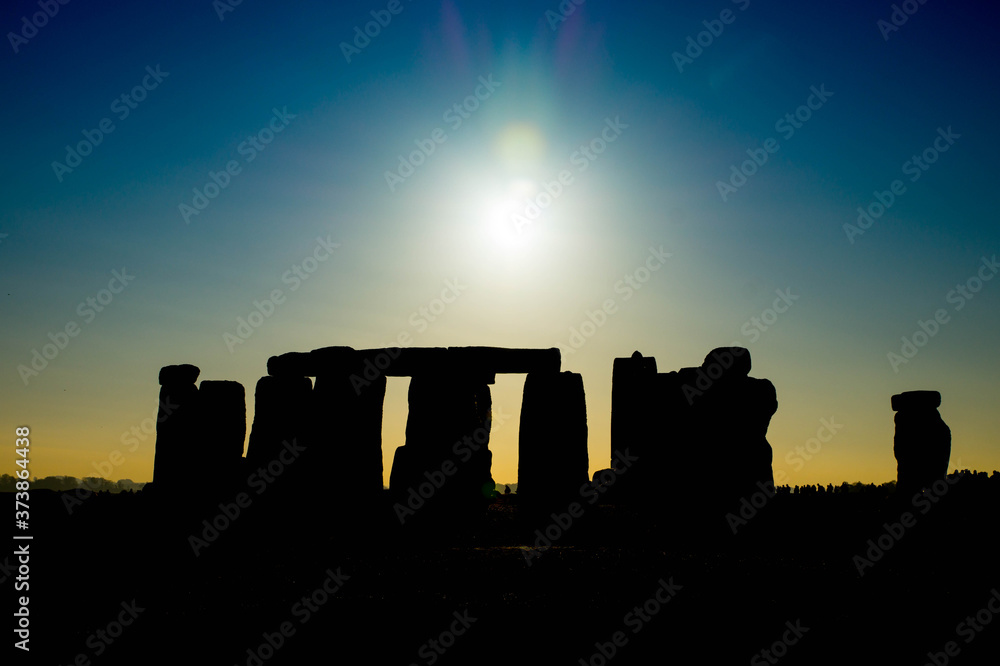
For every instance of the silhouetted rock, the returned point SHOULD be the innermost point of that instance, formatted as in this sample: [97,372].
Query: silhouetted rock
[498,360]
[922,443]
[406,361]
[281,408]
[633,424]
[447,442]
[733,361]
[711,419]
[177,437]
[476,363]
[552,460]
[735,417]
[346,435]
[179,374]
[292,364]
[916,400]
[223,427]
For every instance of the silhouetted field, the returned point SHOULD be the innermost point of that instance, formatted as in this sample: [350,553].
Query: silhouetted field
[790,571]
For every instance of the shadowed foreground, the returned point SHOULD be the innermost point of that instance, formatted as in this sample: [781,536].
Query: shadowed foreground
[861,577]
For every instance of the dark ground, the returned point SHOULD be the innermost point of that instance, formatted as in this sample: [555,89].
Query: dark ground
[793,562]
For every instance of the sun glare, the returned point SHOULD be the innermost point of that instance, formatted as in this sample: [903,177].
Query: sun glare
[505,212]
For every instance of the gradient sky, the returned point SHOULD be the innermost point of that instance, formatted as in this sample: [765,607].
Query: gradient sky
[656,185]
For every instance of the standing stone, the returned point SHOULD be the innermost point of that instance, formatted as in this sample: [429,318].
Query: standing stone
[222,430]
[176,429]
[281,405]
[345,446]
[172,375]
[922,443]
[632,425]
[631,402]
[553,462]
[670,466]
[732,413]
[447,428]
[477,477]
[694,428]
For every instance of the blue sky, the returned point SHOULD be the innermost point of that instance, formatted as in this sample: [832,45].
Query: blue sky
[558,85]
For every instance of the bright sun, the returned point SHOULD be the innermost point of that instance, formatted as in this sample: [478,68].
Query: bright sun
[520,149]
[505,209]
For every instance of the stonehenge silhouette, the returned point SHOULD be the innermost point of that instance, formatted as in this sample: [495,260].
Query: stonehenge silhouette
[682,427]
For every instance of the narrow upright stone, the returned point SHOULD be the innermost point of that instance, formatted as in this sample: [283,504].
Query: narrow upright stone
[922,442]
[634,401]
[449,423]
[223,427]
[177,421]
[346,440]
[553,462]
[281,405]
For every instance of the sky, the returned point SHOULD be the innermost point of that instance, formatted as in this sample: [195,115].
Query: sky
[815,183]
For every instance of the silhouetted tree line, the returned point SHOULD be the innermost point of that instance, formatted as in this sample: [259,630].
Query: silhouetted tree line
[98,484]
[972,476]
[64,483]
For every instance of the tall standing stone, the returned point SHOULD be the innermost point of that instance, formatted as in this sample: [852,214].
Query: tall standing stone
[692,429]
[552,454]
[222,429]
[345,447]
[670,466]
[281,405]
[732,412]
[449,422]
[631,403]
[177,421]
[922,443]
